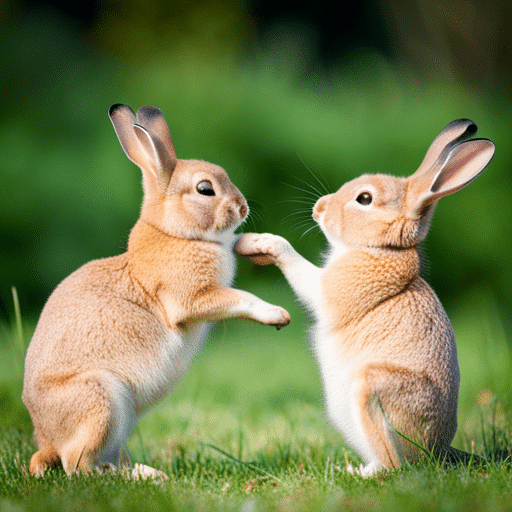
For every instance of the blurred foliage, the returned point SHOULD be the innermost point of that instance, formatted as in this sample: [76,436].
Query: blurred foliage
[263,107]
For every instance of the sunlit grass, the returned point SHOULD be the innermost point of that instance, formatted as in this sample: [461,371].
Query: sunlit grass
[246,428]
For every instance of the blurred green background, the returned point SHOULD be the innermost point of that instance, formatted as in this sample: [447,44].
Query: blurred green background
[281,98]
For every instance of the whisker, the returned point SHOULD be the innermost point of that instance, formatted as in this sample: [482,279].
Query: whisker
[323,184]
[255,215]
[311,190]
[255,209]
[299,214]
[306,222]
[254,205]
[253,202]
[308,230]
[301,225]
[314,194]
[298,200]
[311,186]
[250,224]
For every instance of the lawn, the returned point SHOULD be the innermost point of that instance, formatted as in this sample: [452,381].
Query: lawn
[245,430]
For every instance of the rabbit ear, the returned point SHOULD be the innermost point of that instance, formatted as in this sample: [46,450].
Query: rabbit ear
[152,118]
[146,140]
[450,172]
[123,118]
[454,133]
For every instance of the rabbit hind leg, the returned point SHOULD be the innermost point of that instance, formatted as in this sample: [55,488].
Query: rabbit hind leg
[93,423]
[105,428]
[78,453]
[43,459]
[392,413]
[93,416]
[82,451]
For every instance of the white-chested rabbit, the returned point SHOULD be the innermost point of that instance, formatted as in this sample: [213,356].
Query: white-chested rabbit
[384,343]
[119,332]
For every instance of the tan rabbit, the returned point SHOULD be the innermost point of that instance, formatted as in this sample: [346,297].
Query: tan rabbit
[385,346]
[118,333]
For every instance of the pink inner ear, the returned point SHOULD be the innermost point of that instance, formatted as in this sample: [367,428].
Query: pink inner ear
[465,162]
[453,133]
[148,148]
[456,165]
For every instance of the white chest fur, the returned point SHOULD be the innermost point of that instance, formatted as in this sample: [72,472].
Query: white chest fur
[339,390]
[227,240]
[336,374]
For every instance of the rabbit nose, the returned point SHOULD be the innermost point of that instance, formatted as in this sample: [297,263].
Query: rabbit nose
[318,209]
[243,211]
[321,206]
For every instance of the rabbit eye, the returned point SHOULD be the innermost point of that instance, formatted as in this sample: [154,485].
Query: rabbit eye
[205,187]
[365,198]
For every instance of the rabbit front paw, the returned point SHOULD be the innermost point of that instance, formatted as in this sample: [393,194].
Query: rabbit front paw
[262,249]
[269,314]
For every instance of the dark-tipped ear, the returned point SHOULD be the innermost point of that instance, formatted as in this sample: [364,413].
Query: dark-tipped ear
[146,140]
[463,163]
[123,118]
[152,118]
[454,133]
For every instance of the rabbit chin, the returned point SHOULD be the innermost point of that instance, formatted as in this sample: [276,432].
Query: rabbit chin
[226,237]
[337,248]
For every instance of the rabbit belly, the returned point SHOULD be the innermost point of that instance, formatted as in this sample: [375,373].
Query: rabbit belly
[164,369]
[339,395]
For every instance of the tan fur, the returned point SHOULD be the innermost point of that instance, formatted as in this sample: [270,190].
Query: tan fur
[385,345]
[119,332]
[366,281]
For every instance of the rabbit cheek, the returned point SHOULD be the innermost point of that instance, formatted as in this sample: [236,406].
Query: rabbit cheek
[229,215]
[200,216]
[331,227]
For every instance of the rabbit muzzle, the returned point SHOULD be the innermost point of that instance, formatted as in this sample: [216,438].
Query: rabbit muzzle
[243,211]
[320,208]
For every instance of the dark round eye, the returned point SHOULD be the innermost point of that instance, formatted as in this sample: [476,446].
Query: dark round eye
[205,187]
[365,198]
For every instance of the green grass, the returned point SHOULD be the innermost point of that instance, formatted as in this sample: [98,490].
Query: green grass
[246,430]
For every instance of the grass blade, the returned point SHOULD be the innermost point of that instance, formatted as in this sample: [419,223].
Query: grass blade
[242,463]
[19,334]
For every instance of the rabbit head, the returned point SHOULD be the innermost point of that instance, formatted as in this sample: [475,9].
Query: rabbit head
[378,210]
[184,198]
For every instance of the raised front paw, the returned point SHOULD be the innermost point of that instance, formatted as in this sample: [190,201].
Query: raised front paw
[278,318]
[268,314]
[262,249]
